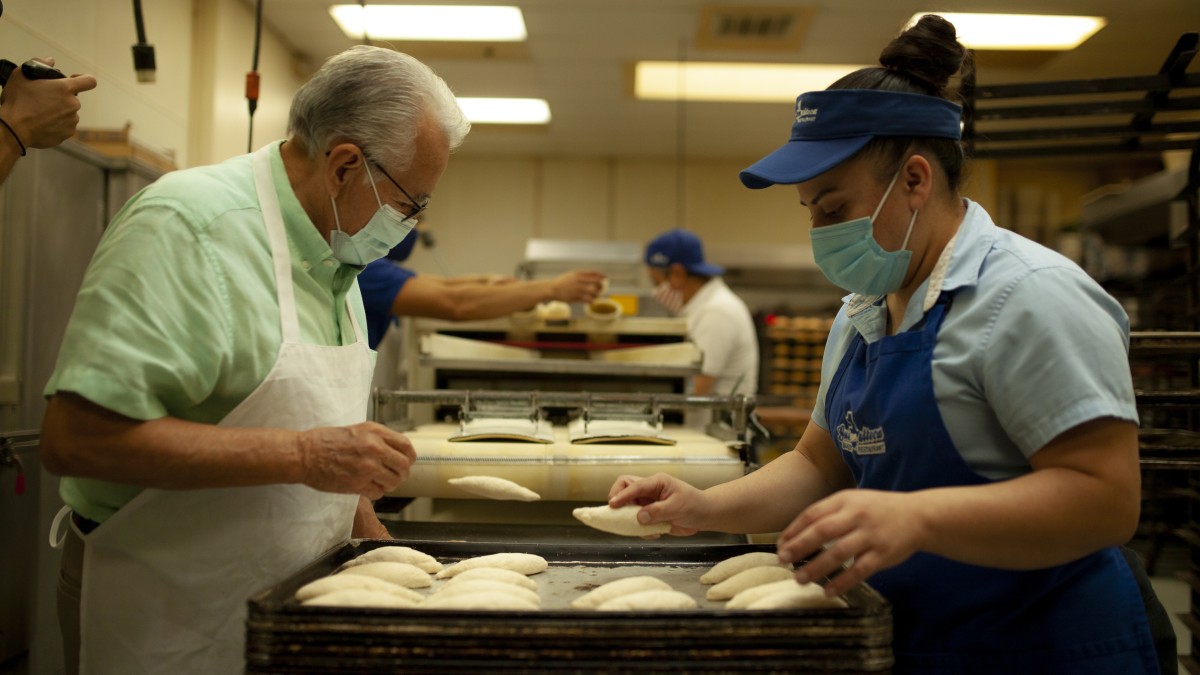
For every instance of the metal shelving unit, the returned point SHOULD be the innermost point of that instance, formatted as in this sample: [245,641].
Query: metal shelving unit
[1132,117]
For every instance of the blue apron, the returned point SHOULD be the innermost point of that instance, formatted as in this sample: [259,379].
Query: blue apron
[1083,617]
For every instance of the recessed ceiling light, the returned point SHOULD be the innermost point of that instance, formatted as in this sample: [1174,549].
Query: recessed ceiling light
[1020,31]
[466,23]
[505,110]
[740,82]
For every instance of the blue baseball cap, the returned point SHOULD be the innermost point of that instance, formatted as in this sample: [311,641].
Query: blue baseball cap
[683,247]
[833,124]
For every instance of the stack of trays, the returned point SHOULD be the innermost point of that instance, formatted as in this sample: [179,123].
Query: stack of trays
[283,636]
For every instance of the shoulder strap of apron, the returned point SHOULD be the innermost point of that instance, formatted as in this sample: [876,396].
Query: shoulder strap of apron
[277,236]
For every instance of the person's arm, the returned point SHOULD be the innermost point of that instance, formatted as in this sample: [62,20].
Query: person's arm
[765,500]
[1082,495]
[80,438]
[41,114]
[435,298]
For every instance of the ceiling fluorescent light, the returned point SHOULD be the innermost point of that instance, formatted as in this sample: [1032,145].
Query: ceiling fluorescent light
[451,23]
[505,110]
[1020,31]
[731,82]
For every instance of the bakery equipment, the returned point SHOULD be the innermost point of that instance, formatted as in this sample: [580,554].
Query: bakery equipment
[284,636]
[566,446]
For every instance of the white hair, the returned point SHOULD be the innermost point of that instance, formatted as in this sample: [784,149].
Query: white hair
[378,99]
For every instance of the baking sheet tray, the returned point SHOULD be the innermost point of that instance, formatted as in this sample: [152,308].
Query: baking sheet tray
[283,636]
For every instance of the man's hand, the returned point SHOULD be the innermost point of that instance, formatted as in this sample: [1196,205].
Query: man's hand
[368,459]
[43,113]
[578,286]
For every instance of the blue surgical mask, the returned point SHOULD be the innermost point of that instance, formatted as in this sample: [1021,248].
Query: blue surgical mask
[387,228]
[851,258]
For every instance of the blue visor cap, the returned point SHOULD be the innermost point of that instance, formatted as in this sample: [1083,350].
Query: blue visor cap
[833,124]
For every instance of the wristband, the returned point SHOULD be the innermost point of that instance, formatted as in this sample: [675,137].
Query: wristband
[14,135]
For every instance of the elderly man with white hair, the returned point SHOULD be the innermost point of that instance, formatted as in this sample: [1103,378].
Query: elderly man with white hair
[208,409]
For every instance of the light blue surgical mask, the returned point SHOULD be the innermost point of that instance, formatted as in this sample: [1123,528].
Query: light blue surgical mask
[851,258]
[387,228]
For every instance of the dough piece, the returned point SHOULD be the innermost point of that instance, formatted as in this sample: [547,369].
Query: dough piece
[752,595]
[494,487]
[340,582]
[554,310]
[495,574]
[614,589]
[484,600]
[402,554]
[622,521]
[755,576]
[800,597]
[731,566]
[524,563]
[489,586]
[403,574]
[360,597]
[652,599]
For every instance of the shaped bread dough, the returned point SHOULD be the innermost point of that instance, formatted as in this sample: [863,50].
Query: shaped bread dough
[495,574]
[403,574]
[494,487]
[524,563]
[752,595]
[652,599]
[360,597]
[402,554]
[341,582]
[614,589]
[622,521]
[484,600]
[488,586]
[554,310]
[755,576]
[800,597]
[731,566]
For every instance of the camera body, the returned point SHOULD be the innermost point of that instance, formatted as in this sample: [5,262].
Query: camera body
[31,69]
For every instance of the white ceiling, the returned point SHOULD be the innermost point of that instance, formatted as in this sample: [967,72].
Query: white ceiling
[579,53]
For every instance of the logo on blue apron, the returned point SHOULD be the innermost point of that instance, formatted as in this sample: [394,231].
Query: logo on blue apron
[858,440]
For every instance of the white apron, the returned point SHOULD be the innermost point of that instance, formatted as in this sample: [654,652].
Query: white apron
[166,578]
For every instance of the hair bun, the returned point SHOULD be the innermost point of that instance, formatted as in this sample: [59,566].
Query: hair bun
[928,54]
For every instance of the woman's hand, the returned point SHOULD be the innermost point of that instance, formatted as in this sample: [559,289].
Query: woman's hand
[665,499]
[868,529]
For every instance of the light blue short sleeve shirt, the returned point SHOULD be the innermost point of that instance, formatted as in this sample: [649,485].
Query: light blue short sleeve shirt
[1030,348]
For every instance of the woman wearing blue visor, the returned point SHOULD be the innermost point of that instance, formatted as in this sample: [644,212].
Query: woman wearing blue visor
[973,449]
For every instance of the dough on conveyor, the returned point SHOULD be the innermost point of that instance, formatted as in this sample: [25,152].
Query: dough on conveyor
[495,574]
[791,595]
[494,487]
[614,589]
[360,597]
[622,521]
[402,554]
[731,566]
[403,574]
[494,600]
[755,576]
[525,563]
[554,310]
[649,600]
[488,586]
[341,582]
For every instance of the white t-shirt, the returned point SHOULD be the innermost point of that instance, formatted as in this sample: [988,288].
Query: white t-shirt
[720,325]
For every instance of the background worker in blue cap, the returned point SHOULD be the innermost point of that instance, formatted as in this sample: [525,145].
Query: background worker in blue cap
[391,290]
[975,391]
[718,320]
